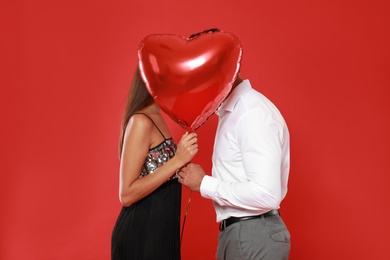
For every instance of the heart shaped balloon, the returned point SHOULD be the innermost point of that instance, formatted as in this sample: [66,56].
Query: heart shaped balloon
[189,78]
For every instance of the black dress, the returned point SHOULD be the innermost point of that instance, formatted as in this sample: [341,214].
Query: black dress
[150,228]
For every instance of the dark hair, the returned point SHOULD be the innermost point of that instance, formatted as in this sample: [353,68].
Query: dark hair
[205,31]
[138,98]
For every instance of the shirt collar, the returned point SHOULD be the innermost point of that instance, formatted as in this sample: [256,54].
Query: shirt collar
[230,102]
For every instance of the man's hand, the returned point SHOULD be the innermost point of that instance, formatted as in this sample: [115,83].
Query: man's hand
[191,176]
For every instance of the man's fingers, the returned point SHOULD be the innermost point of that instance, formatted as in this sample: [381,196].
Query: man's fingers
[180,174]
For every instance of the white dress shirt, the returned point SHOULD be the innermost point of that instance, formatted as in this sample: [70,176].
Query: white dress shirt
[251,158]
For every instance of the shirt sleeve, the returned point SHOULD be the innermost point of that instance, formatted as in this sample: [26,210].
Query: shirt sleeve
[259,140]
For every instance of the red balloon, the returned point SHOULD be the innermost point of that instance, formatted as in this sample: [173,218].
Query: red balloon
[189,78]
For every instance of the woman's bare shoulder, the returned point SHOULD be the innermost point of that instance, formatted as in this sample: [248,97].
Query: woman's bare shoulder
[139,124]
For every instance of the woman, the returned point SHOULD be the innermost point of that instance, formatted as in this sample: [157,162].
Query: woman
[148,226]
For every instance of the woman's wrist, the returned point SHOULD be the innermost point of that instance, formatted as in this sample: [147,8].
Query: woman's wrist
[177,164]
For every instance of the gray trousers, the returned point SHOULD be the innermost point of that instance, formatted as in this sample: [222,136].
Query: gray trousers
[265,238]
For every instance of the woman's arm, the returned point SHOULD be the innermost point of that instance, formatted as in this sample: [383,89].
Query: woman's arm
[136,145]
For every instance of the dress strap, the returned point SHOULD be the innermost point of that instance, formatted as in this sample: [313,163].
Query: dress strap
[153,123]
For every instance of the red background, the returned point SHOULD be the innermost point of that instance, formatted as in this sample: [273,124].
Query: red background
[66,67]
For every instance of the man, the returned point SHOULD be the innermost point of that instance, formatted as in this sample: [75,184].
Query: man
[251,162]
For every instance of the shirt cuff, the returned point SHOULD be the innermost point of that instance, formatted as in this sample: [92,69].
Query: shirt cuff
[208,187]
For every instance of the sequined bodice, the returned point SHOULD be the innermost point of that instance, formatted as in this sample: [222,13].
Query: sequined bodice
[158,156]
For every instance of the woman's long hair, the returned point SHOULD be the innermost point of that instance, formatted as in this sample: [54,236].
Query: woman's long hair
[138,98]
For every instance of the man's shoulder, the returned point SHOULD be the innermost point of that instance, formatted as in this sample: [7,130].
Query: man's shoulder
[253,96]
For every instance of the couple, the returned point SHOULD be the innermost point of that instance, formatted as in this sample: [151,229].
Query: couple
[249,178]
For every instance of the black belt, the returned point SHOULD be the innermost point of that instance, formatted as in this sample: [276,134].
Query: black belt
[227,222]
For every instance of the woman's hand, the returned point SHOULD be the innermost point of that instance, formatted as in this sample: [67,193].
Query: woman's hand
[187,148]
